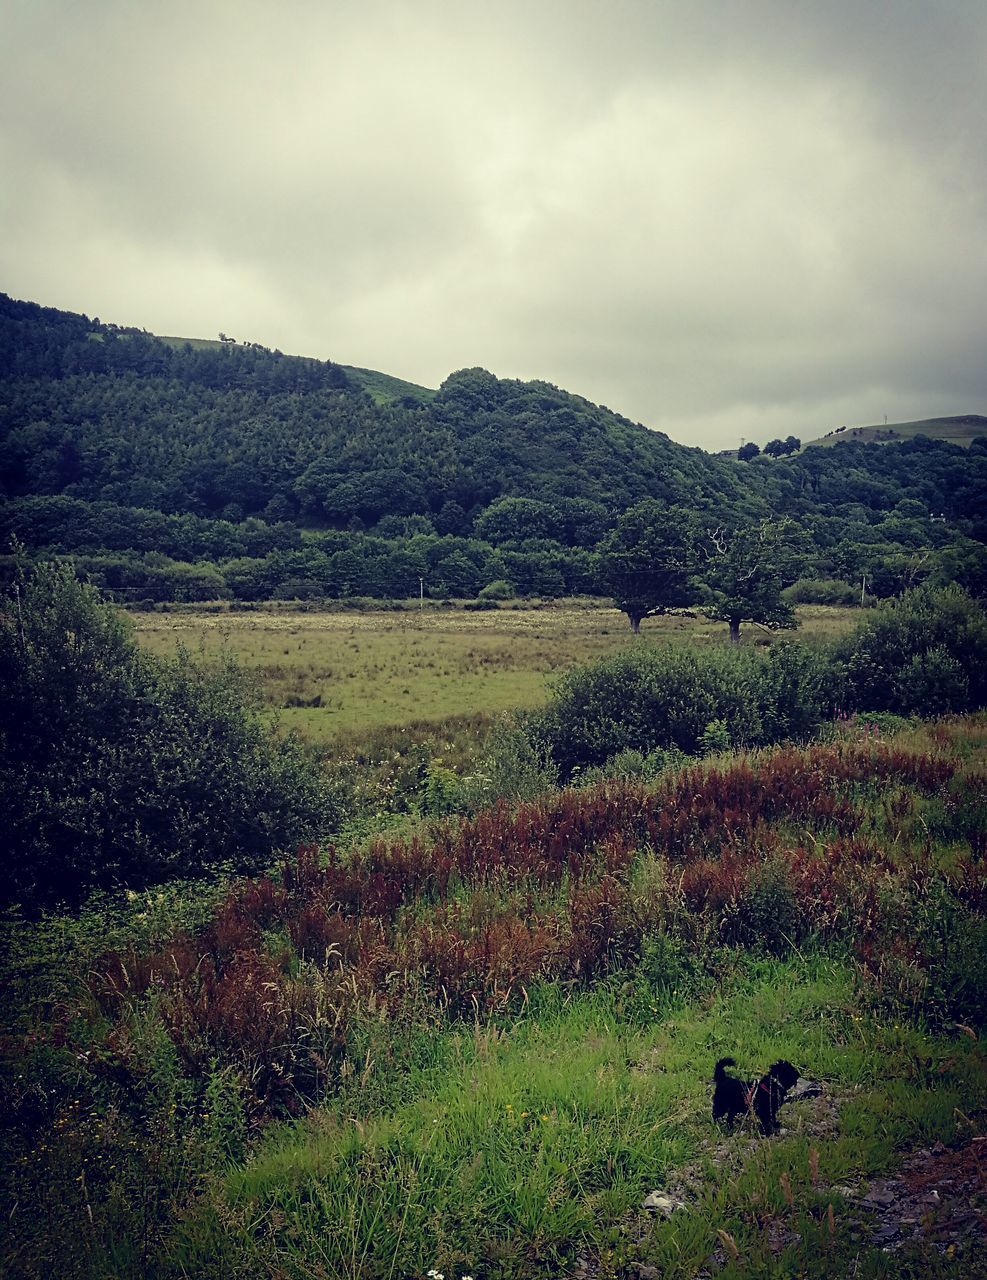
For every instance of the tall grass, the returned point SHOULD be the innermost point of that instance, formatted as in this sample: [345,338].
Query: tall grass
[476,1047]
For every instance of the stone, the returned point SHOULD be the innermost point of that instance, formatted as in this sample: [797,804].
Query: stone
[659,1202]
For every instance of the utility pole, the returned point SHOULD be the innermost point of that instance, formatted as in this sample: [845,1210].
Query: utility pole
[421,595]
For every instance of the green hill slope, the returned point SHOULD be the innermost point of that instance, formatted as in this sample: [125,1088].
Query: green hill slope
[961,430]
[262,475]
[100,413]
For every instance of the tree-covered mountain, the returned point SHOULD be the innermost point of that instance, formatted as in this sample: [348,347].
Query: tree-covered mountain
[94,412]
[184,469]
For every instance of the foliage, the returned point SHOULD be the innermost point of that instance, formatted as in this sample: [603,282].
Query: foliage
[831,591]
[659,698]
[781,448]
[514,1009]
[646,560]
[925,654]
[118,770]
[745,571]
[497,590]
[228,471]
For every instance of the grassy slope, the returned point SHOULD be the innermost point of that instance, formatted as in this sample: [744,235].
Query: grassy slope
[549,1134]
[958,430]
[514,1148]
[384,388]
[514,1142]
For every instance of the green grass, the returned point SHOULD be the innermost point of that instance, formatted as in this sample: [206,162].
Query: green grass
[197,344]
[383,388]
[519,1134]
[343,675]
[527,1145]
[961,430]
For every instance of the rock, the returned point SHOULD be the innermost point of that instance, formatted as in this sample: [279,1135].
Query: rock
[879,1198]
[659,1202]
[804,1089]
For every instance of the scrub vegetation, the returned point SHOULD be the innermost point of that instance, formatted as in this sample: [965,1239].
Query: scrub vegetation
[384,937]
[474,1043]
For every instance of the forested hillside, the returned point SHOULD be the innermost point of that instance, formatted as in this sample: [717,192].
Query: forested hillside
[180,470]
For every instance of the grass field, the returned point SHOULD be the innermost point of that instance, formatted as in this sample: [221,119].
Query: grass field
[960,430]
[343,675]
[476,1052]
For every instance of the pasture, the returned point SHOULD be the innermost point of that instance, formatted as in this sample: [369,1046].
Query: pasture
[343,675]
[478,1051]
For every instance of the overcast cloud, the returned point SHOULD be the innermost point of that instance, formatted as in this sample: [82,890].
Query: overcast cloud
[724,220]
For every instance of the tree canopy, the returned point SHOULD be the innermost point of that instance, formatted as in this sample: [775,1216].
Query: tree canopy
[645,562]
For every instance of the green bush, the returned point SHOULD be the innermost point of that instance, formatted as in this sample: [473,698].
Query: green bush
[654,699]
[832,591]
[629,764]
[499,589]
[925,654]
[117,770]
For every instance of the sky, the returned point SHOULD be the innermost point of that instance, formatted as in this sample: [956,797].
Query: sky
[729,221]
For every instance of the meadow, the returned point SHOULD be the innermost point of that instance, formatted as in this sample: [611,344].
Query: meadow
[469,1031]
[475,1049]
[347,675]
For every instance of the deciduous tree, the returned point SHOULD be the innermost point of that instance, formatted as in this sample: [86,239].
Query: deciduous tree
[645,562]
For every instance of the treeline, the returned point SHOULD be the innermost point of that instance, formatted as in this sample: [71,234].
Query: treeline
[524,547]
[43,342]
[96,413]
[164,467]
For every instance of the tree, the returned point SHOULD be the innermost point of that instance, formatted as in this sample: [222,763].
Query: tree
[646,560]
[775,448]
[117,770]
[518,519]
[746,569]
[748,451]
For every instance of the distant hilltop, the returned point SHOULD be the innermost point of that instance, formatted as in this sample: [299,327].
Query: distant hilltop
[958,430]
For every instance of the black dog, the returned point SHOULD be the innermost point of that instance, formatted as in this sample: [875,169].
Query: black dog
[733,1097]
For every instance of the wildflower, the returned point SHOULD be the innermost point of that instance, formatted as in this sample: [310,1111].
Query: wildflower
[435,1275]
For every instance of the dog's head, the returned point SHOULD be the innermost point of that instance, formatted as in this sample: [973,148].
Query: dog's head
[786,1075]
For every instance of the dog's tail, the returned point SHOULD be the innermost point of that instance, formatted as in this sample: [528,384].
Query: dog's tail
[719,1073]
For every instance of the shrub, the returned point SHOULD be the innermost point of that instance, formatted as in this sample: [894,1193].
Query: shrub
[832,591]
[499,589]
[655,699]
[119,770]
[924,654]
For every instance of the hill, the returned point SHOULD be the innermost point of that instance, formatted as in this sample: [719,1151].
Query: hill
[271,474]
[101,413]
[961,430]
